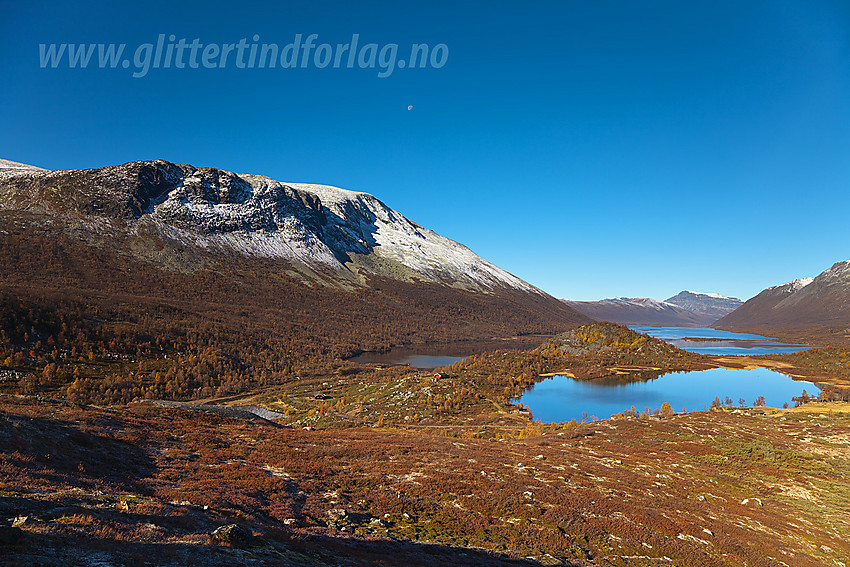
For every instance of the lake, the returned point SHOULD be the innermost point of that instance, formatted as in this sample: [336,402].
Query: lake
[415,358]
[722,343]
[562,398]
[428,357]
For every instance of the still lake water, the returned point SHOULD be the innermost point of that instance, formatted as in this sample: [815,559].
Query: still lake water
[722,343]
[420,358]
[562,398]
[428,357]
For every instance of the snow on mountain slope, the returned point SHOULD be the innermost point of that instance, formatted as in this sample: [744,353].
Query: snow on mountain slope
[325,228]
[334,227]
[831,287]
[710,305]
[839,273]
[226,213]
[638,311]
[792,287]
[712,295]
[647,302]
[398,239]
[7,164]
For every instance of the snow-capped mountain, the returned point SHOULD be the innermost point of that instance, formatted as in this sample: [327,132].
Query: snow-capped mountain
[639,311]
[686,309]
[6,164]
[330,234]
[711,306]
[820,305]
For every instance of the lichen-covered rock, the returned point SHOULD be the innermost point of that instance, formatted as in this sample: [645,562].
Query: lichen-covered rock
[232,535]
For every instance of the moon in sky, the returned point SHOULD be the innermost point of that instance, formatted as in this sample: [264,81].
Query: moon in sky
[410,107]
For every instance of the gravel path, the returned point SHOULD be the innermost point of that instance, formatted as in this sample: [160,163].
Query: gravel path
[241,412]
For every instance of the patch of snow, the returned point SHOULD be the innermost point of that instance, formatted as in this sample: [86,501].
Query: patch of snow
[8,164]
[714,295]
[793,286]
[292,244]
[646,302]
[799,284]
[330,195]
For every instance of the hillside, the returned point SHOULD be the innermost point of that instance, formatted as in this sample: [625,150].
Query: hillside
[205,281]
[816,308]
[145,485]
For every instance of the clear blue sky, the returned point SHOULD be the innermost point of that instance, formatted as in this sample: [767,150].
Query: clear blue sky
[593,148]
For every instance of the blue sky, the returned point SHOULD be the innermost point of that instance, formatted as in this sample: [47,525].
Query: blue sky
[593,148]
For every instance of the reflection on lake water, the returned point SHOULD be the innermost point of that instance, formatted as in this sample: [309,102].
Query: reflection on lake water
[562,398]
[722,343]
[430,356]
[415,358]
[417,361]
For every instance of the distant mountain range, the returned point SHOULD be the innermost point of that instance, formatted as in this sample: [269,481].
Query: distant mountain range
[318,265]
[707,305]
[818,307]
[686,309]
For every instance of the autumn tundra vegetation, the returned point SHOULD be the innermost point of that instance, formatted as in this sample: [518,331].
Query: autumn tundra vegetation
[392,464]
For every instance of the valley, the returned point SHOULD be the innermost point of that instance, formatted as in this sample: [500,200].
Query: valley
[191,372]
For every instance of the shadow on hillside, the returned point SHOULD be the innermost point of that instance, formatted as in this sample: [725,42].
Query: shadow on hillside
[60,453]
[390,553]
[37,549]
[353,233]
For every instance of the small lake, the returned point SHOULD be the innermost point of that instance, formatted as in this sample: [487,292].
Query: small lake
[415,358]
[430,356]
[562,398]
[717,342]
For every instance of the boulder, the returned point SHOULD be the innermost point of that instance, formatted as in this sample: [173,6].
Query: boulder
[232,535]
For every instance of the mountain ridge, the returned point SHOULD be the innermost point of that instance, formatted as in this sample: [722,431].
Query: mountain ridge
[710,306]
[816,307]
[326,228]
[687,309]
[637,311]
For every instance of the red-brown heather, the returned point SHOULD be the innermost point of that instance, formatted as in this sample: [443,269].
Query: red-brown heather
[141,482]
